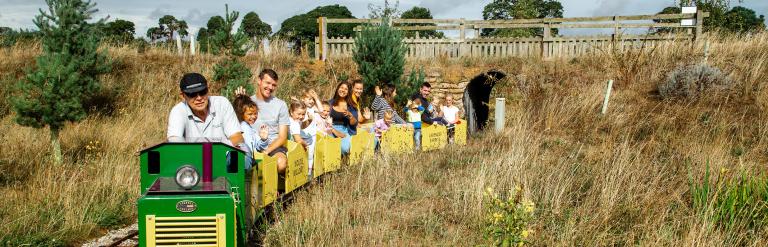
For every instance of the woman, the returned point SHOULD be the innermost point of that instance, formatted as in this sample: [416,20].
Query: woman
[384,101]
[363,114]
[343,115]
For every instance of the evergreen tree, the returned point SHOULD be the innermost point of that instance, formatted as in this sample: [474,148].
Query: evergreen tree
[65,76]
[231,72]
[380,56]
[253,27]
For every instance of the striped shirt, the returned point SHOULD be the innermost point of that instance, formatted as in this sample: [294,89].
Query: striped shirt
[380,105]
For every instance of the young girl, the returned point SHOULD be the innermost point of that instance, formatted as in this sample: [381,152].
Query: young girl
[311,102]
[299,131]
[324,122]
[247,112]
[451,116]
[381,126]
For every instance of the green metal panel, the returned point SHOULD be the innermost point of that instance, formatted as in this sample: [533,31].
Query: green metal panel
[207,205]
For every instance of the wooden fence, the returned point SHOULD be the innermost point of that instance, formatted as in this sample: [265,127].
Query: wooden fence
[686,27]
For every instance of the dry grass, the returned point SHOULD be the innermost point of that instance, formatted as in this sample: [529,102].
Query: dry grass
[597,180]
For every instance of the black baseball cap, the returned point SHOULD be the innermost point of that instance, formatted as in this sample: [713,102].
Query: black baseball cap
[193,83]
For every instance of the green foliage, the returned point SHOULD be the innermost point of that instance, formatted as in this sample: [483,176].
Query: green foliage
[380,55]
[520,9]
[740,20]
[9,37]
[120,31]
[507,217]
[231,72]
[693,81]
[303,28]
[385,11]
[155,33]
[731,203]
[410,86]
[253,27]
[234,74]
[65,75]
[420,13]
[169,24]
[214,25]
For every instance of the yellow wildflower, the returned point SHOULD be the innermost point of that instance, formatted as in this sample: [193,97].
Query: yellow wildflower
[529,206]
[518,189]
[524,234]
[723,170]
[497,217]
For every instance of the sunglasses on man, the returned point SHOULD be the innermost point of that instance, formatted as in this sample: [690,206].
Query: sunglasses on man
[194,95]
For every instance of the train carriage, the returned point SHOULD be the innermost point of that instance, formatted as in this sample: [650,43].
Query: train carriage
[198,193]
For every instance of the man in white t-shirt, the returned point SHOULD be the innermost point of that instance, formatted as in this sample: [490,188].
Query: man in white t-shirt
[199,115]
[273,113]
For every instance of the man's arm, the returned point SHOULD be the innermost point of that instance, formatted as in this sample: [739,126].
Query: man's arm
[175,131]
[282,138]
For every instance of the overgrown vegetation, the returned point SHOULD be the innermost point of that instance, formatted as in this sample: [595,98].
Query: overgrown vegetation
[731,201]
[691,81]
[380,56]
[231,72]
[507,217]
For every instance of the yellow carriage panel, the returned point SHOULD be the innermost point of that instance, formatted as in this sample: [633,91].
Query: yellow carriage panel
[298,167]
[362,146]
[328,153]
[267,171]
[397,140]
[460,133]
[433,137]
[317,163]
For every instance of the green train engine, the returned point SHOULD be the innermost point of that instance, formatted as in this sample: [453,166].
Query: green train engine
[191,195]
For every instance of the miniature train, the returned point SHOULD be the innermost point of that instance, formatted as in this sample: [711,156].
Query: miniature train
[199,193]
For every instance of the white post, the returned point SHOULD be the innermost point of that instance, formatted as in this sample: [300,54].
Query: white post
[500,102]
[706,51]
[192,50]
[178,44]
[607,96]
[265,46]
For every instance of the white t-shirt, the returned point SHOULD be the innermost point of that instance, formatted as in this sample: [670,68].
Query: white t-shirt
[450,113]
[295,127]
[221,122]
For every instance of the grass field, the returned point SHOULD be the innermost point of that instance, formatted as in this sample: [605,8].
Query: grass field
[632,176]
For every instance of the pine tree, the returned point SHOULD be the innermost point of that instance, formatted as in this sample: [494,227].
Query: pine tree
[380,56]
[66,74]
[231,71]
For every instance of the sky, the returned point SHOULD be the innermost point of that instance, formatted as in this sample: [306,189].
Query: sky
[145,13]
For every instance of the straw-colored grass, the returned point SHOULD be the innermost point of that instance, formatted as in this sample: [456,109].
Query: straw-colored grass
[616,179]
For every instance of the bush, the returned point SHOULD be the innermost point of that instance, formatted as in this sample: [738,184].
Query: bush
[507,217]
[690,81]
[380,56]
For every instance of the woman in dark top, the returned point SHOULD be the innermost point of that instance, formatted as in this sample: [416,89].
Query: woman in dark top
[384,102]
[343,114]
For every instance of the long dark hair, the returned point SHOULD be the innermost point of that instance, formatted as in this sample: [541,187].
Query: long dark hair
[336,98]
[387,92]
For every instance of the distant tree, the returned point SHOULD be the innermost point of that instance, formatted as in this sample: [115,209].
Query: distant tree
[66,73]
[302,28]
[741,19]
[253,27]
[667,10]
[420,13]
[9,37]
[155,33]
[4,30]
[170,24]
[231,72]
[215,23]
[520,9]
[120,30]
[386,11]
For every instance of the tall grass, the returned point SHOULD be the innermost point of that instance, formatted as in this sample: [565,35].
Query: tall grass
[617,179]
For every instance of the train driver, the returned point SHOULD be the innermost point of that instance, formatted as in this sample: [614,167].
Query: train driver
[200,115]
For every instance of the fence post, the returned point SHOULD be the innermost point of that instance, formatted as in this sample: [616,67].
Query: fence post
[178,45]
[192,49]
[699,24]
[607,96]
[323,42]
[499,116]
[546,43]
[462,31]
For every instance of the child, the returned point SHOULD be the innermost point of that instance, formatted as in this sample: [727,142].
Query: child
[298,130]
[414,117]
[311,102]
[451,116]
[324,123]
[381,126]
[435,110]
[247,112]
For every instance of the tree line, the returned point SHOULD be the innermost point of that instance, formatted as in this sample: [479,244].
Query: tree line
[302,28]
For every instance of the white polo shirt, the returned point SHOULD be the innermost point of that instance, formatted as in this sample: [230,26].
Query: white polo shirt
[220,123]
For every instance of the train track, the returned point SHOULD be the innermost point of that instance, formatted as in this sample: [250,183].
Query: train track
[132,235]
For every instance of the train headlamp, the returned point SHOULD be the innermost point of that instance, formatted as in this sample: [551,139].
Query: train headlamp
[187,177]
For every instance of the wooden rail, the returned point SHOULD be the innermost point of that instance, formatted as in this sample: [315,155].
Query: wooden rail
[545,46]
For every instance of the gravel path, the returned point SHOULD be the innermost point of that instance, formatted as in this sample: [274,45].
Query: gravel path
[113,236]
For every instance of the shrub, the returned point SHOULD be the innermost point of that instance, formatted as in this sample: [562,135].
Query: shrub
[507,217]
[380,56]
[690,81]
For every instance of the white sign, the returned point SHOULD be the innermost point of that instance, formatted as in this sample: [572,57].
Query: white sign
[688,22]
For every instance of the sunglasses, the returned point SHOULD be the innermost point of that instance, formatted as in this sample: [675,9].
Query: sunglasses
[194,95]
